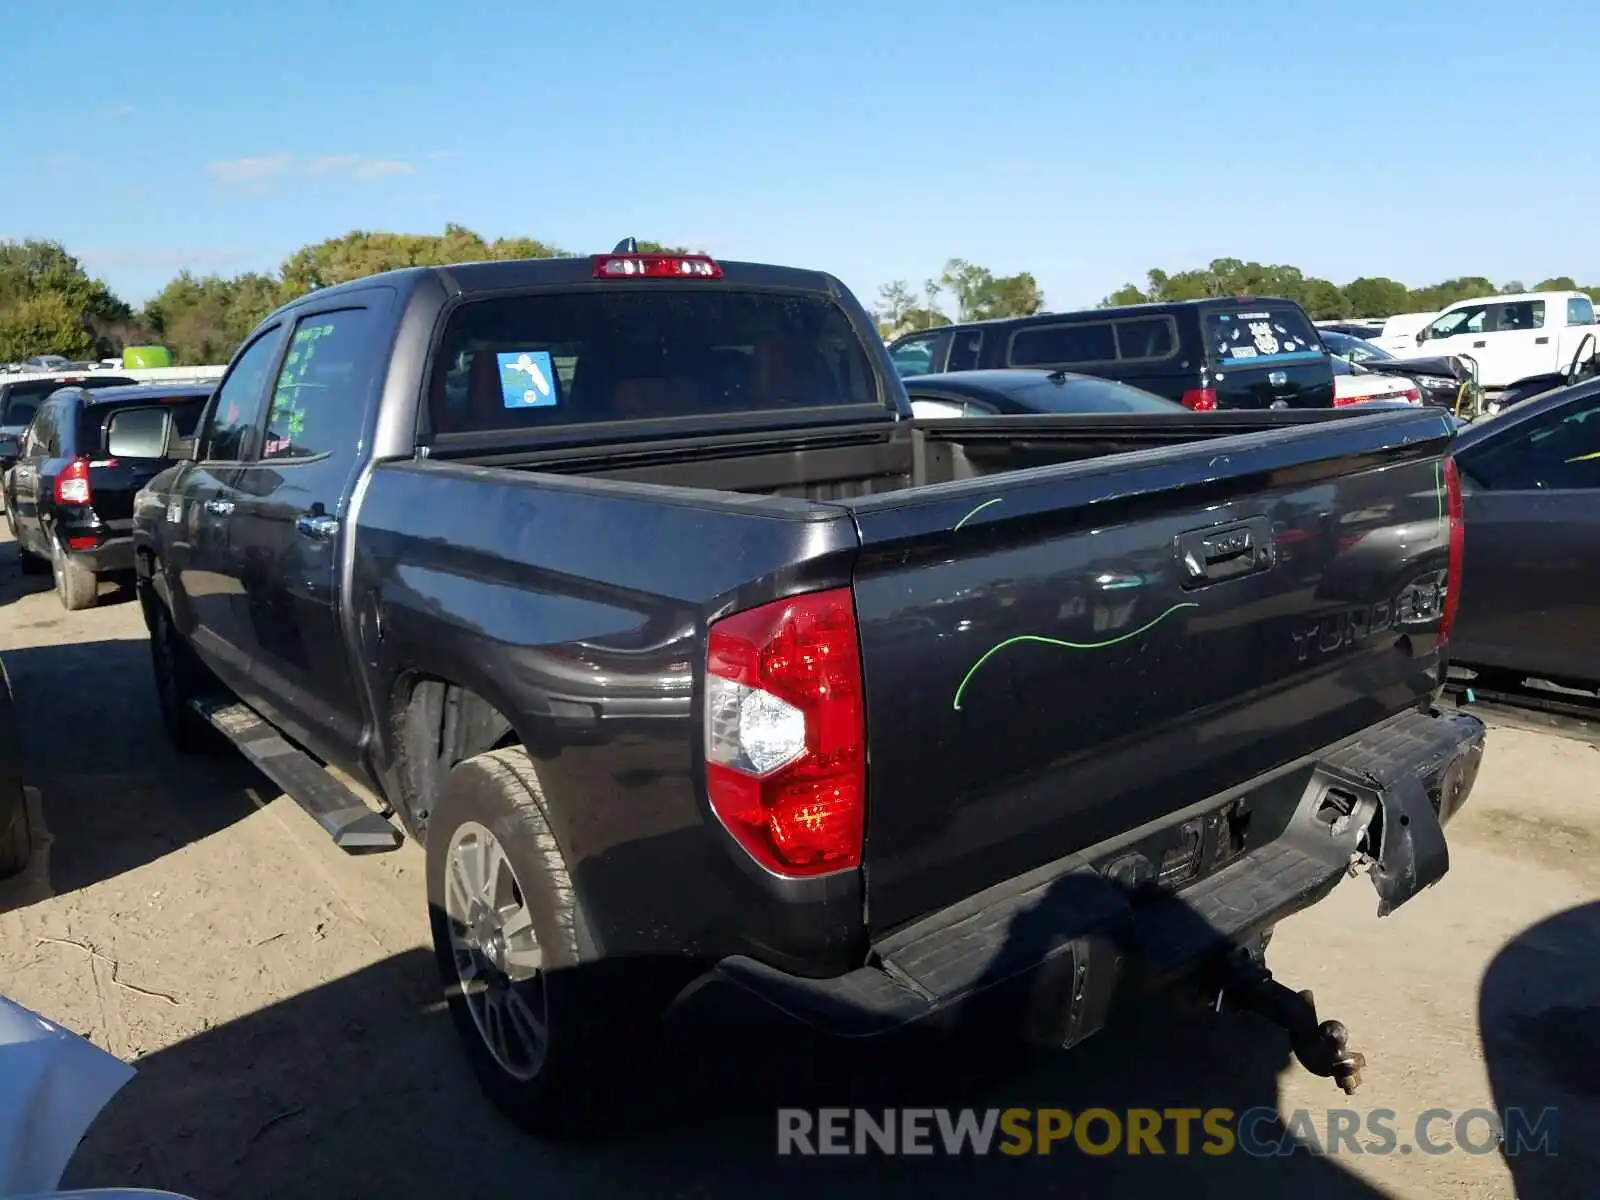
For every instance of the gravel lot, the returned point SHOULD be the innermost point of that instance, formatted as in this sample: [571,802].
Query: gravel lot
[278,1000]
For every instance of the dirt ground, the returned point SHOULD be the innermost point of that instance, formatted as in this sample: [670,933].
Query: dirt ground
[278,1001]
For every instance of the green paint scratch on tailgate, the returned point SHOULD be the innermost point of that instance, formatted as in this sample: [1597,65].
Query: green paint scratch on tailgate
[1048,641]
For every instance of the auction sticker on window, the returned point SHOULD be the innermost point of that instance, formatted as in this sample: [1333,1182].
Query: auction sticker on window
[527,379]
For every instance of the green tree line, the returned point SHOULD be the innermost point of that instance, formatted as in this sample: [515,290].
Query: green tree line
[49,304]
[973,293]
[1369,296]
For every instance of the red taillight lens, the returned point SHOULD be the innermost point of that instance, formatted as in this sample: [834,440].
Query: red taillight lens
[1412,396]
[655,266]
[1458,533]
[82,543]
[786,733]
[1201,399]
[72,485]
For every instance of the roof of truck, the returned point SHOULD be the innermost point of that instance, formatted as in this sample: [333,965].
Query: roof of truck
[498,275]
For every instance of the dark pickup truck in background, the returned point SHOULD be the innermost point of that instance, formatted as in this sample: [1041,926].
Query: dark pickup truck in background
[629,587]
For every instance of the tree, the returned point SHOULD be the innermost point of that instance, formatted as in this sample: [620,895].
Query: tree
[45,293]
[46,323]
[202,320]
[1375,296]
[1561,283]
[981,295]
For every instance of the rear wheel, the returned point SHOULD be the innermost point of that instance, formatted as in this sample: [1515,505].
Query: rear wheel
[543,1028]
[77,586]
[179,678]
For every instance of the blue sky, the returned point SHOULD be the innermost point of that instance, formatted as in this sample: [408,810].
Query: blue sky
[1085,143]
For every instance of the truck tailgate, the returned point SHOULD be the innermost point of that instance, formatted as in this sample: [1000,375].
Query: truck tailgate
[1058,655]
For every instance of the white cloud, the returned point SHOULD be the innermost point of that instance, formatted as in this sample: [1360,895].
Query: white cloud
[376,168]
[251,170]
[260,168]
[118,111]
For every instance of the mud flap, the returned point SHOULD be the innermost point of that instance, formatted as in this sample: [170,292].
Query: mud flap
[1412,854]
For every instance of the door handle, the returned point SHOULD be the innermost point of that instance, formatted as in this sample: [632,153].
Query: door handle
[219,508]
[319,526]
[1544,341]
[1479,345]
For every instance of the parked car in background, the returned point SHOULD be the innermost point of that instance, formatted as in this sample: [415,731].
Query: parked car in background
[69,496]
[1439,379]
[1366,330]
[1530,482]
[611,575]
[20,399]
[1024,390]
[46,362]
[1353,384]
[1239,353]
[1399,333]
[1514,338]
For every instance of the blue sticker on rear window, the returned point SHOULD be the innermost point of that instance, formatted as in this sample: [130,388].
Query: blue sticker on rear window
[527,379]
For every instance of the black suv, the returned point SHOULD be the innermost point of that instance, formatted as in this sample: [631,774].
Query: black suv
[82,459]
[1239,353]
[20,399]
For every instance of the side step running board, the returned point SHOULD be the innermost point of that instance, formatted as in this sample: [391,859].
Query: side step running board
[352,825]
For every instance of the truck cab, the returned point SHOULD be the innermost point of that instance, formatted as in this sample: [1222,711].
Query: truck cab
[1513,337]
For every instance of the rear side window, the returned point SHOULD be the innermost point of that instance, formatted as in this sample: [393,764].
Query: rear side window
[528,362]
[1580,311]
[1063,345]
[319,399]
[1250,335]
[1126,339]
[965,345]
[1519,315]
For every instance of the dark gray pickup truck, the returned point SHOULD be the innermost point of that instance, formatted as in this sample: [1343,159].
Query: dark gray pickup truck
[629,587]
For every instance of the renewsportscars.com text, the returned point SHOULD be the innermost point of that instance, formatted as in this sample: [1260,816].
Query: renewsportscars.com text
[1259,1132]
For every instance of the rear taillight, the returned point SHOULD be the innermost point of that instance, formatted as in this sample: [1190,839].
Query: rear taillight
[1412,395]
[1458,531]
[786,735]
[1201,399]
[72,485]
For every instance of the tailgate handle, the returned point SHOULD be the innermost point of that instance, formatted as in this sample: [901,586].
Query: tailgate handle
[1225,552]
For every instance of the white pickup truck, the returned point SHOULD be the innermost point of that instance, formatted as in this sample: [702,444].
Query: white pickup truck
[1517,337]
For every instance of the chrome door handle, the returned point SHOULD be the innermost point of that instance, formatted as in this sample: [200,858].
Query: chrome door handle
[317,525]
[219,508]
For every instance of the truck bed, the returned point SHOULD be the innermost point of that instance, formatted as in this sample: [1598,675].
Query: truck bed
[1040,673]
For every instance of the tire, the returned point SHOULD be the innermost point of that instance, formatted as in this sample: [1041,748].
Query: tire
[179,678]
[591,1020]
[77,587]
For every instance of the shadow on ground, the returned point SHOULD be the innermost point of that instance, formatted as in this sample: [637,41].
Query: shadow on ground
[358,1088]
[92,742]
[1539,1009]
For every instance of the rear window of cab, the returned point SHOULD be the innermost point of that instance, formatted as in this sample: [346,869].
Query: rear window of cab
[1255,335]
[585,357]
